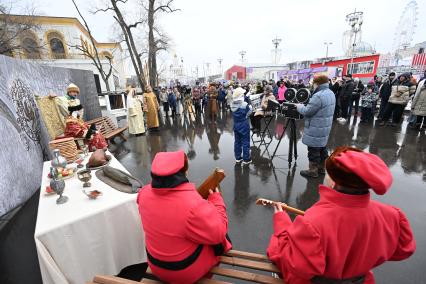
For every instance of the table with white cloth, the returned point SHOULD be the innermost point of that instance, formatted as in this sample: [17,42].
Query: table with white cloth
[84,237]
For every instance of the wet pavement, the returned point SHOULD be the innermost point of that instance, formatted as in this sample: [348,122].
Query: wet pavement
[209,145]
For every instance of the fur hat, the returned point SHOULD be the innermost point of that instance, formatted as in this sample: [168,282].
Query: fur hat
[238,93]
[320,79]
[73,88]
[353,168]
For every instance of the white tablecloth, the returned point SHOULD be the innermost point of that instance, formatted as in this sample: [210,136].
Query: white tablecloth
[84,237]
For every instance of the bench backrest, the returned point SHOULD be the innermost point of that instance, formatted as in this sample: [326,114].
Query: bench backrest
[105,124]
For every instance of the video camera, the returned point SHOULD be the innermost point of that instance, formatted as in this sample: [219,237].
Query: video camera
[292,97]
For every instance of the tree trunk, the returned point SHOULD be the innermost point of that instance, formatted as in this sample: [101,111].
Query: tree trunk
[152,48]
[137,63]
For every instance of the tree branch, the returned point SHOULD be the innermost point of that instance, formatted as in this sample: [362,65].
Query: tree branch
[166,8]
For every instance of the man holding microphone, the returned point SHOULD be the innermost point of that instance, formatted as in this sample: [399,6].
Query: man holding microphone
[318,115]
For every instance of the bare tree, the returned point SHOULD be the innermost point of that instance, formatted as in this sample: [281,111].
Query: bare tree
[94,54]
[128,37]
[157,40]
[14,27]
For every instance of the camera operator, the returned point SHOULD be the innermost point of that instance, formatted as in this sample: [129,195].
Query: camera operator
[318,115]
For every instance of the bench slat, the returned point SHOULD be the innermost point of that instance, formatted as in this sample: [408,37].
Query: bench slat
[202,281]
[248,255]
[149,281]
[114,133]
[244,275]
[106,279]
[235,261]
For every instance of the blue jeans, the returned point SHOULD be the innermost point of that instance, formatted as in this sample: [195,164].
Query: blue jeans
[242,145]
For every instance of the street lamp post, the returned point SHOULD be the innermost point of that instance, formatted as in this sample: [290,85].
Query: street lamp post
[207,70]
[326,52]
[220,65]
[242,54]
[276,42]
[355,21]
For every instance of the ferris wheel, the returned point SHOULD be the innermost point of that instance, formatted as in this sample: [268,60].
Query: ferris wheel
[406,27]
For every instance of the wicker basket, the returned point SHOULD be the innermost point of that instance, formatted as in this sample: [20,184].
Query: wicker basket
[67,147]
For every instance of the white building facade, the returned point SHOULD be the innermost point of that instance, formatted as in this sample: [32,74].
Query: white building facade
[58,38]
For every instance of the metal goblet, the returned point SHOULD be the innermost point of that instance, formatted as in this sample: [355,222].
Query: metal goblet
[58,186]
[84,176]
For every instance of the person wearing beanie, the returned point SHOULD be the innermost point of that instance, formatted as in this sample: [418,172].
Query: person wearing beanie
[70,99]
[184,233]
[318,115]
[385,92]
[346,234]
[71,113]
[368,98]
[241,111]
[402,90]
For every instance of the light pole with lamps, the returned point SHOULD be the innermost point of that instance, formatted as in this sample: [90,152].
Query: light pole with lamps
[326,52]
[220,65]
[242,54]
[355,21]
[276,42]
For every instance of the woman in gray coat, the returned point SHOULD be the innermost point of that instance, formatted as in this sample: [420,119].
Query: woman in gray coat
[318,115]
[418,107]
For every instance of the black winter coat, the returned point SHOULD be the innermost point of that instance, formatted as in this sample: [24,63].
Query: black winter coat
[346,90]
[385,90]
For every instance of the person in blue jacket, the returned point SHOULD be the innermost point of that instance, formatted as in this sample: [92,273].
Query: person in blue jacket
[318,114]
[241,111]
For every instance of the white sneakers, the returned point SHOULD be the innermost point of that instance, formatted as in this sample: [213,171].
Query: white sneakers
[244,162]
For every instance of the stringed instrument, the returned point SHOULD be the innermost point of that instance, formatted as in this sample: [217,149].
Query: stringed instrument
[267,202]
[211,182]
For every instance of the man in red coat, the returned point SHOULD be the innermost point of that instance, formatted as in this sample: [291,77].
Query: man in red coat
[345,234]
[185,234]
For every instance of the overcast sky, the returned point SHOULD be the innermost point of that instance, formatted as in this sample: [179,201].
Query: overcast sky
[204,30]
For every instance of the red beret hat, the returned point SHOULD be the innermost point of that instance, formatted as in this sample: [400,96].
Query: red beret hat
[351,167]
[169,163]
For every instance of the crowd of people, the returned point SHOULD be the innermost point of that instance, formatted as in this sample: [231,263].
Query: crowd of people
[387,98]
[392,94]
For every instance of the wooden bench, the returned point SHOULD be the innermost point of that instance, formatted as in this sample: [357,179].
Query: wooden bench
[234,258]
[108,129]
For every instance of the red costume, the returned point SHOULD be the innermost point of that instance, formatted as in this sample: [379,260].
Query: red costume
[343,235]
[75,127]
[181,228]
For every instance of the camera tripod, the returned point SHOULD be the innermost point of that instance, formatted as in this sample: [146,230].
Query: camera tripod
[292,146]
